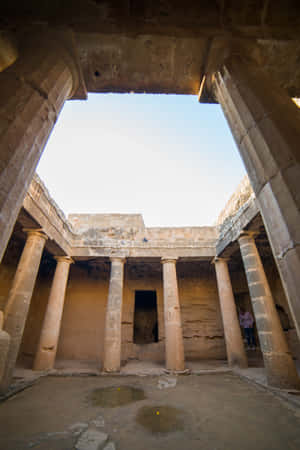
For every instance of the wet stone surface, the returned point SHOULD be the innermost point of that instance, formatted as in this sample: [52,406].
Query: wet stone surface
[160,419]
[211,412]
[113,396]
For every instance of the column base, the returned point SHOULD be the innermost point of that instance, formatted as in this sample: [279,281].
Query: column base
[113,368]
[281,371]
[4,346]
[44,361]
[237,361]
[110,371]
[178,372]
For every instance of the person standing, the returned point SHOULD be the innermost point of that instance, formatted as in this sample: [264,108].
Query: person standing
[247,323]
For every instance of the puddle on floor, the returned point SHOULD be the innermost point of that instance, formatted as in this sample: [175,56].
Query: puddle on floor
[160,419]
[113,396]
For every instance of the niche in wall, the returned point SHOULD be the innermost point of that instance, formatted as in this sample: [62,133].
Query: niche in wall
[145,318]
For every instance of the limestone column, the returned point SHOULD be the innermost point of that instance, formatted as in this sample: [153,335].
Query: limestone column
[172,315]
[19,297]
[236,354]
[32,92]
[47,347]
[4,346]
[281,371]
[266,126]
[113,318]
[8,51]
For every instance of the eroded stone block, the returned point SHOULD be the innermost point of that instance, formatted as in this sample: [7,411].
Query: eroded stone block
[91,440]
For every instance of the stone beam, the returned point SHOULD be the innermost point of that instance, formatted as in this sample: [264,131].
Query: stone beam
[204,253]
[42,208]
[230,233]
[173,18]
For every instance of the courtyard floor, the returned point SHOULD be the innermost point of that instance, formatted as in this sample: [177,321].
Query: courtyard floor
[210,411]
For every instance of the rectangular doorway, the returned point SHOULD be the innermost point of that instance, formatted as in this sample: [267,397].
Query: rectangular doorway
[145,318]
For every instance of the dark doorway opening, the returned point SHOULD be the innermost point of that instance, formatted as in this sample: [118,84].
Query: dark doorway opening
[145,318]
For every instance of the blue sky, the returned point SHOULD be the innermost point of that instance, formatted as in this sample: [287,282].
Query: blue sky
[164,156]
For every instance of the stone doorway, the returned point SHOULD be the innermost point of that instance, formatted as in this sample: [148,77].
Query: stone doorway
[145,318]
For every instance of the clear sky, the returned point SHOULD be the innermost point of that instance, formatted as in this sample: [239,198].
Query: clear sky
[164,156]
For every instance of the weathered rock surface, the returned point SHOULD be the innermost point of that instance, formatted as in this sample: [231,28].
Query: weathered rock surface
[98,422]
[167,382]
[240,196]
[110,446]
[78,428]
[91,440]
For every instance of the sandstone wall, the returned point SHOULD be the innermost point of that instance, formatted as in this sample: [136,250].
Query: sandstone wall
[178,235]
[201,317]
[119,226]
[84,313]
[82,328]
[142,277]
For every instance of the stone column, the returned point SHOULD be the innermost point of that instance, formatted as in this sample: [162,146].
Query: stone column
[266,126]
[19,297]
[8,51]
[236,354]
[32,93]
[113,318]
[47,347]
[281,371]
[4,346]
[173,327]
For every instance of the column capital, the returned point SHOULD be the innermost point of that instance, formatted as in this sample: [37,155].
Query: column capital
[223,50]
[66,259]
[9,50]
[38,232]
[248,233]
[168,260]
[60,42]
[220,259]
[119,259]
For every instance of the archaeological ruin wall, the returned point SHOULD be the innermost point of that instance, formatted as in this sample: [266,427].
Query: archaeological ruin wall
[92,241]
